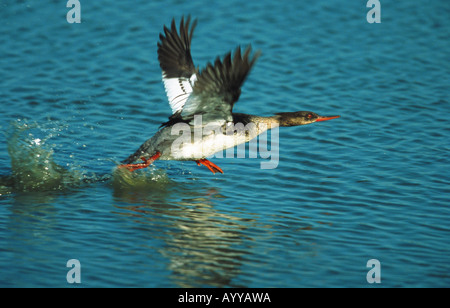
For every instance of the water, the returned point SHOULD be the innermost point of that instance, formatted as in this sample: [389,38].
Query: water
[374,184]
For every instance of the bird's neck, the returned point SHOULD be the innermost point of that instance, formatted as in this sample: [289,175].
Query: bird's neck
[263,123]
[282,119]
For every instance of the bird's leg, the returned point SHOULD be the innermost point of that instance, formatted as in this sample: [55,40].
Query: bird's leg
[145,164]
[211,166]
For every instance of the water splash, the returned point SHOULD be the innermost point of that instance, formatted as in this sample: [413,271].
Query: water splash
[34,167]
[32,158]
[151,177]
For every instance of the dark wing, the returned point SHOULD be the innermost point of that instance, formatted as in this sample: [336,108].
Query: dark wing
[218,87]
[174,55]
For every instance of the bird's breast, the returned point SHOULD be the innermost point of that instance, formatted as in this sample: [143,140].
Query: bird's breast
[192,143]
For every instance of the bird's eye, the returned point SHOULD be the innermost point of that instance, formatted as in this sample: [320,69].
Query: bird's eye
[309,116]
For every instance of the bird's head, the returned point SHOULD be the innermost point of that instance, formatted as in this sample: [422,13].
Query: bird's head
[301,118]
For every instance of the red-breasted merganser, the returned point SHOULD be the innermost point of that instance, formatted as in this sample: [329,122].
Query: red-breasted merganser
[201,99]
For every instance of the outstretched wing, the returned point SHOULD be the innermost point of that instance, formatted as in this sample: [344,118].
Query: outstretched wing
[174,55]
[218,87]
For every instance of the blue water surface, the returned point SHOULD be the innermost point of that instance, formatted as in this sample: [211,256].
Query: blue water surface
[374,184]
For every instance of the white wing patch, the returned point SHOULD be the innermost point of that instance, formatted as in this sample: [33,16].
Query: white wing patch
[178,90]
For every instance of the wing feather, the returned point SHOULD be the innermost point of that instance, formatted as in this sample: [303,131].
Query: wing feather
[178,70]
[211,92]
[218,86]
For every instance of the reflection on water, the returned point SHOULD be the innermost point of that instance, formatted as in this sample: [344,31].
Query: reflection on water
[33,217]
[203,246]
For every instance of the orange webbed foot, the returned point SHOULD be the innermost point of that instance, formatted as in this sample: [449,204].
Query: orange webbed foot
[147,162]
[211,166]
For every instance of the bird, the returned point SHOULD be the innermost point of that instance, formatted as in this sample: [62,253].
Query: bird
[202,104]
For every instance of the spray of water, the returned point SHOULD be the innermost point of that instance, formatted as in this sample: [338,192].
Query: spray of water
[148,178]
[34,167]
[32,158]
